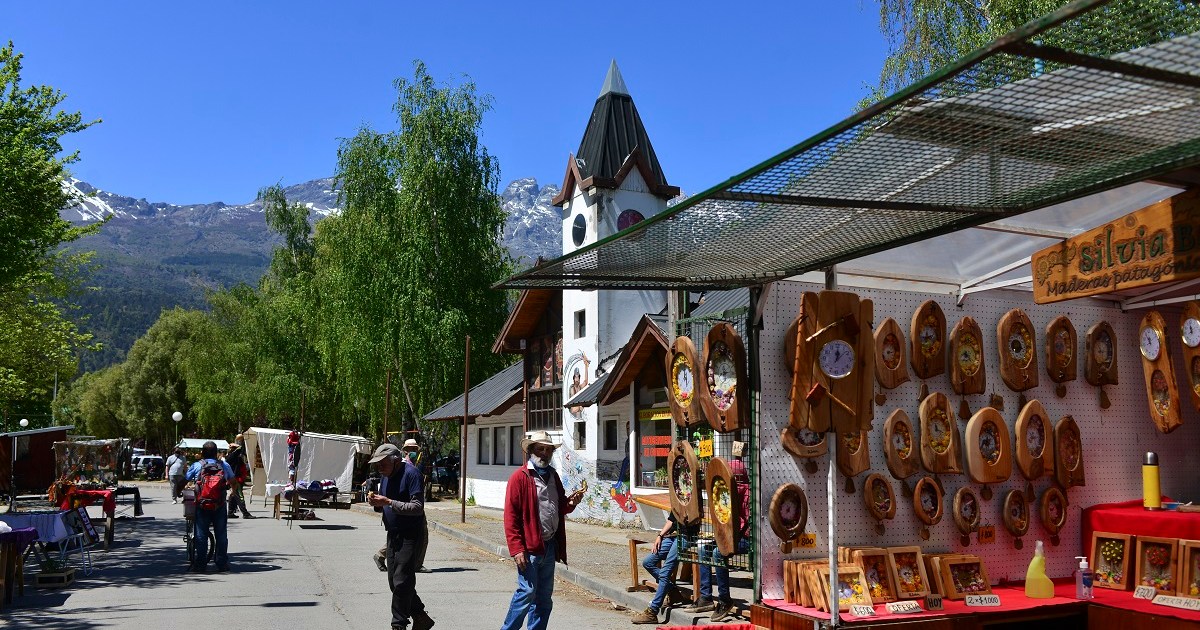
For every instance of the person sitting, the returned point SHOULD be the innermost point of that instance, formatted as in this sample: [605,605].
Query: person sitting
[664,552]
[723,608]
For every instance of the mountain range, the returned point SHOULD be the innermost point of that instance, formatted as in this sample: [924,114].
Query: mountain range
[153,255]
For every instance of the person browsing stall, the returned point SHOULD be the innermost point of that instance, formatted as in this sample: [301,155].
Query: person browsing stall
[723,609]
[212,477]
[401,500]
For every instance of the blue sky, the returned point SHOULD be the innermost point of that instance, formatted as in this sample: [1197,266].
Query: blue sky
[211,101]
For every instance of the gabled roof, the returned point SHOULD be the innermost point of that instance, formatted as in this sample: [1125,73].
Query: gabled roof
[647,347]
[717,302]
[492,396]
[614,144]
[523,319]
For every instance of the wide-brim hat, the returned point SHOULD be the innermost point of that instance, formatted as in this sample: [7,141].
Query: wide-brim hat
[411,443]
[384,450]
[537,437]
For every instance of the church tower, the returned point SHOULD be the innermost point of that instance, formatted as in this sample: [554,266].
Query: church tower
[611,183]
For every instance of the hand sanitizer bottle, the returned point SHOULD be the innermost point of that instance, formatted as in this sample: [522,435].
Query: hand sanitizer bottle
[1083,579]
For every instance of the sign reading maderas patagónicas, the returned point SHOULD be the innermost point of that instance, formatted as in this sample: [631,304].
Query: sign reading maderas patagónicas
[1158,243]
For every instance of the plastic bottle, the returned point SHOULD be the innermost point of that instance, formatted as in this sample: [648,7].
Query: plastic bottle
[1083,579]
[1037,585]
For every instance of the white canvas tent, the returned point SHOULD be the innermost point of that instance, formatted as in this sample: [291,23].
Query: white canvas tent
[322,456]
[198,443]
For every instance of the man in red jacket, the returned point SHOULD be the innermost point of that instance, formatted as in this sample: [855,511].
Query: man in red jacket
[535,525]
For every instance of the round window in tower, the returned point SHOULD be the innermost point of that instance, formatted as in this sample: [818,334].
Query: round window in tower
[579,230]
[628,218]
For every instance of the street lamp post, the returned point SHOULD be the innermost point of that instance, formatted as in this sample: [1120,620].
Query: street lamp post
[176,417]
[24,422]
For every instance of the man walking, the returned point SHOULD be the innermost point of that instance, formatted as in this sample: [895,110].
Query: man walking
[236,458]
[402,502]
[212,478]
[176,467]
[535,510]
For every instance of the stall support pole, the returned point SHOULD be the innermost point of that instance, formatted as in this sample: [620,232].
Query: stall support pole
[830,493]
[462,458]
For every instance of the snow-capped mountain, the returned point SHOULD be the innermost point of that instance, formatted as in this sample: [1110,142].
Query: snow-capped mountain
[96,204]
[534,225]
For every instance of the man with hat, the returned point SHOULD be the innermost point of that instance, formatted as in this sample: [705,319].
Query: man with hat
[236,458]
[401,499]
[535,510]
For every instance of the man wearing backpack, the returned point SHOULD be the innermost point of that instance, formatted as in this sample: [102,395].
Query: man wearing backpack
[212,477]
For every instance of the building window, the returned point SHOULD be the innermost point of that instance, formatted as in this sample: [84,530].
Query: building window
[580,324]
[485,445]
[515,456]
[544,410]
[654,438]
[610,433]
[580,436]
[500,446]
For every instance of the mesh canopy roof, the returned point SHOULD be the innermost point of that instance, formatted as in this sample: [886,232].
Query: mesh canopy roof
[1058,110]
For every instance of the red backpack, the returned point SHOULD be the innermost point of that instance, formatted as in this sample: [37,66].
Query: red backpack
[210,486]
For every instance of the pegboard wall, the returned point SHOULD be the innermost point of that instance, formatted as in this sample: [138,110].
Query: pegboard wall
[1114,439]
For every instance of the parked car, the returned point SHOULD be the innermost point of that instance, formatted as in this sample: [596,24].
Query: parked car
[151,466]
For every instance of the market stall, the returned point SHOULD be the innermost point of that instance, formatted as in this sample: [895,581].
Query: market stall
[27,460]
[322,456]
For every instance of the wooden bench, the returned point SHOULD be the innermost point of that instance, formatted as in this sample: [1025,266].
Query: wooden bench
[683,570]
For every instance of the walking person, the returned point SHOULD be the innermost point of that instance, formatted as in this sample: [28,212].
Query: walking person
[535,526]
[402,502]
[236,458]
[176,467]
[212,478]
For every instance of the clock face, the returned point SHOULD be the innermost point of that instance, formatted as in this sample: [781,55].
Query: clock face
[683,382]
[891,351]
[902,440]
[1191,332]
[1102,350]
[722,376]
[836,359]
[968,354]
[1035,436]
[930,340]
[1019,345]
[1151,343]
[989,443]
[1062,347]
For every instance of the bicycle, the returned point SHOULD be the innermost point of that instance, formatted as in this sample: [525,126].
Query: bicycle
[189,533]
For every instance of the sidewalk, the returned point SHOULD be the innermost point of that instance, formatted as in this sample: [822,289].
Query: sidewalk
[598,556]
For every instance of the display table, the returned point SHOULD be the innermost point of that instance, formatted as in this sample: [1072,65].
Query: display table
[108,502]
[12,561]
[1129,517]
[51,527]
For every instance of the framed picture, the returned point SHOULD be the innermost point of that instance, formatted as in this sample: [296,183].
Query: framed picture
[964,576]
[1110,560]
[1157,563]
[851,587]
[1189,568]
[874,563]
[85,525]
[908,572]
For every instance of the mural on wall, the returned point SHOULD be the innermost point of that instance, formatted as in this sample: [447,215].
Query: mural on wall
[601,501]
[578,368]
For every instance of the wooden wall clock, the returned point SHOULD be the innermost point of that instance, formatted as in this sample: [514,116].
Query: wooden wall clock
[1016,516]
[725,395]
[723,505]
[845,361]
[805,444]
[1189,333]
[939,436]
[1161,391]
[1068,453]
[890,367]
[989,449]
[1100,359]
[803,414]
[1018,352]
[683,473]
[1052,509]
[927,335]
[901,448]
[879,499]
[1061,359]
[927,503]
[788,514]
[853,456]
[966,513]
[1034,438]
[683,377]
[967,373]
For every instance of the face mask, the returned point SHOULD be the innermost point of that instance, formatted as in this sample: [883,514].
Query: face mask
[412,456]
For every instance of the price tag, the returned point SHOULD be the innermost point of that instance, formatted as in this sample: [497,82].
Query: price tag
[933,601]
[859,610]
[985,601]
[905,607]
[808,541]
[987,534]
[1145,592]
[1186,603]
[704,448]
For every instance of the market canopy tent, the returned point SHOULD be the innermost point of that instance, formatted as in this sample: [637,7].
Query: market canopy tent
[322,456]
[27,459]
[195,444]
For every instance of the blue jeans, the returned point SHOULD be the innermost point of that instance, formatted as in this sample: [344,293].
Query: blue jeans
[218,520]
[668,556]
[535,589]
[721,569]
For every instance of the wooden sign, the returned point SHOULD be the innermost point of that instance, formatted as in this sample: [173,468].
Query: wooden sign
[726,397]
[853,454]
[723,505]
[890,367]
[1018,351]
[927,334]
[939,436]
[1061,358]
[1189,333]
[1100,364]
[683,379]
[967,373]
[1033,435]
[900,446]
[1154,245]
[1068,453]
[683,474]
[1161,391]
[989,447]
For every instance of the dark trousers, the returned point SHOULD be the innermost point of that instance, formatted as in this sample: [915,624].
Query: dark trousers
[237,499]
[402,549]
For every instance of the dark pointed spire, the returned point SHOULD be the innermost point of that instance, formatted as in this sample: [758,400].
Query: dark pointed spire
[613,82]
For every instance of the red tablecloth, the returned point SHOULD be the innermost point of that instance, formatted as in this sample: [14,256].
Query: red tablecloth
[1011,599]
[89,497]
[1125,601]
[1130,518]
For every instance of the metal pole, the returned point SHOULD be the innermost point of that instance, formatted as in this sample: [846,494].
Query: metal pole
[830,490]
[462,457]
[387,402]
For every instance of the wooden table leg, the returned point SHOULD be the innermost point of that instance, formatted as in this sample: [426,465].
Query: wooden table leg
[110,524]
[633,566]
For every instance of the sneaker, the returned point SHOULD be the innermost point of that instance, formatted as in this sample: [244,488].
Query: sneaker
[175,501]
[380,561]
[646,616]
[422,622]
[724,612]
[704,605]
[233,516]
[248,515]
[422,569]
[675,597]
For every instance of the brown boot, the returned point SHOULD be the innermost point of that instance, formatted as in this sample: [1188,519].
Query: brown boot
[646,616]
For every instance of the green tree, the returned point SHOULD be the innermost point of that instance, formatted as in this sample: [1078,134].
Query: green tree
[153,382]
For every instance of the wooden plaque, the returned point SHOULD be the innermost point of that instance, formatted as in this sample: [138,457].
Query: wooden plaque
[874,563]
[940,449]
[927,336]
[966,510]
[890,367]
[788,513]
[962,576]
[1161,390]
[900,446]
[1062,360]
[682,474]
[723,505]
[1158,563]
[967,372]
[1034,438]
[989,447]
[803,414]
[853,454]
[684,382]
[844,351]
[1100,362]
[725,396]
[1017,343]
[1016,513]
[908,572]
[804,443]
[1189,329]
[852,586]
[879,498]
[1068,453]
[1052,508]
[927,501]
[1110,560]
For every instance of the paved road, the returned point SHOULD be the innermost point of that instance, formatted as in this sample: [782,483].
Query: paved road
[316,574]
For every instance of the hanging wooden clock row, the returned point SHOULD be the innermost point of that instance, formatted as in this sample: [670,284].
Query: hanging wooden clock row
[1161,391]
[715,389]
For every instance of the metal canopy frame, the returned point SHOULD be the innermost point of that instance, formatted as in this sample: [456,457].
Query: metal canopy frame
[1061,108]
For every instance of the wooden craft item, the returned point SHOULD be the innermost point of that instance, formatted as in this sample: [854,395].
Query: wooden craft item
[1158,563]
[1018,351]
[804,415]
[908,572]
[989,449]
[939,436]
[1034,439]
[874,563]
[852,586]
[1052,508]
[933,568]
[1161,391]
[804,444]
[853,456]
[684,382]
[927,503]
[788,513]
[967,372]
[927,336]
[683,475]
[1189,332]
[962,576]
[891,369]
[879,499]
[1110,560]
[1062,361]
[725,395]
[967,513]
[845,361]
[723,505]
[1189,568]
[900,446]
[1068,453]
[1016,516]
[1100,359]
